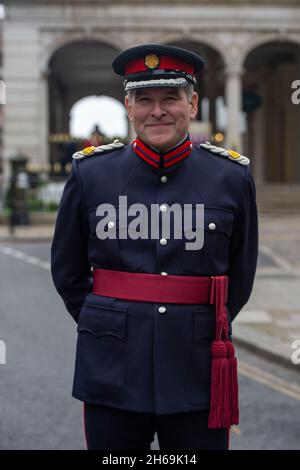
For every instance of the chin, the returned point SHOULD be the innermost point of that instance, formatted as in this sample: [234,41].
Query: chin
[161,142]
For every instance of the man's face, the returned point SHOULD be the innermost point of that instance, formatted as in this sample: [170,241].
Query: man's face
[161,116]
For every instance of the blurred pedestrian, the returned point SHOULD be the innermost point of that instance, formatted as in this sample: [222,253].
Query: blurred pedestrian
[96,138]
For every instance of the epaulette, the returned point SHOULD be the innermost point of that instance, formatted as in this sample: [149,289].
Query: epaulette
[231,154]
[87,151]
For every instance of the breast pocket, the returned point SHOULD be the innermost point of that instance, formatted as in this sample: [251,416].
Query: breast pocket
[101,353]
[199,360]
[112,245]
[214,255]
[103,243]
[217,234]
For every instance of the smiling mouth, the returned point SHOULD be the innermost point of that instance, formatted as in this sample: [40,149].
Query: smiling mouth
[161,124]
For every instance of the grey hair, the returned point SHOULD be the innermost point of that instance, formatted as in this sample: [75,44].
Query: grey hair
[189,90]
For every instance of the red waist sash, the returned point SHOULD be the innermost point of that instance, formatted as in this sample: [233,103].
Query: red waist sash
[159,288]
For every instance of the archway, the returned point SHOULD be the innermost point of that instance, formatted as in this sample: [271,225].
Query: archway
[76,70]
[273,120]
[108,114]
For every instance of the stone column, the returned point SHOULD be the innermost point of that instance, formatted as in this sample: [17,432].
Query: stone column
[258,130]
[44,119]
[22,109]
[233,96]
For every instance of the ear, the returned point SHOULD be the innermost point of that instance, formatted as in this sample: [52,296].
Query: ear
[194,105]
[128,107]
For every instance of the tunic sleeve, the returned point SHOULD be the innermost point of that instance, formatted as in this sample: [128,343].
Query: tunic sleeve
[70,268]
[243,248]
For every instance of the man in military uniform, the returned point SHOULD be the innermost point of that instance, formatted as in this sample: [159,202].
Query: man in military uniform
[154,349]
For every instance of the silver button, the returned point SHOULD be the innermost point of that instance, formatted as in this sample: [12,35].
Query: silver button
[164,179]
[163,241]
[162,309]
[163,273]
[163,208]
[111,224]
[212,226]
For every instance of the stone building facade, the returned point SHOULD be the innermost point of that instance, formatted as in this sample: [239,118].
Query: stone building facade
[55,53]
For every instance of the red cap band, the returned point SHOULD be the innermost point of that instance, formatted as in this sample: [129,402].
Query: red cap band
[165,63]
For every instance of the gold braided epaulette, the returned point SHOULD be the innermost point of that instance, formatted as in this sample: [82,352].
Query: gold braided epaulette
[88,151]
[231,154]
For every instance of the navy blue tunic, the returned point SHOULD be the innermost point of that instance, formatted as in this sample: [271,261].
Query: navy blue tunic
[129,355]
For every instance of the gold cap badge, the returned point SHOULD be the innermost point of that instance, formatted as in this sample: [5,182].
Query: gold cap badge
[152,61]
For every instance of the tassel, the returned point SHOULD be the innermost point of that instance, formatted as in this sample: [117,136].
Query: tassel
[219,416]
[233,383]
[224,410]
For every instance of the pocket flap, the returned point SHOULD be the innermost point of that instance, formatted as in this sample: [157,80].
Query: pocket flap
[215,220]
[218,220]
[100,320]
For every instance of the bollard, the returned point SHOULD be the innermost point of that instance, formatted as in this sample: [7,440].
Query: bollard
[17,193]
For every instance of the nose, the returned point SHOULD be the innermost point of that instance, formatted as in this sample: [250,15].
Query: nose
[157,111]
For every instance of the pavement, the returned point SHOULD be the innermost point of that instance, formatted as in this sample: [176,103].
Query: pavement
[270,323]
